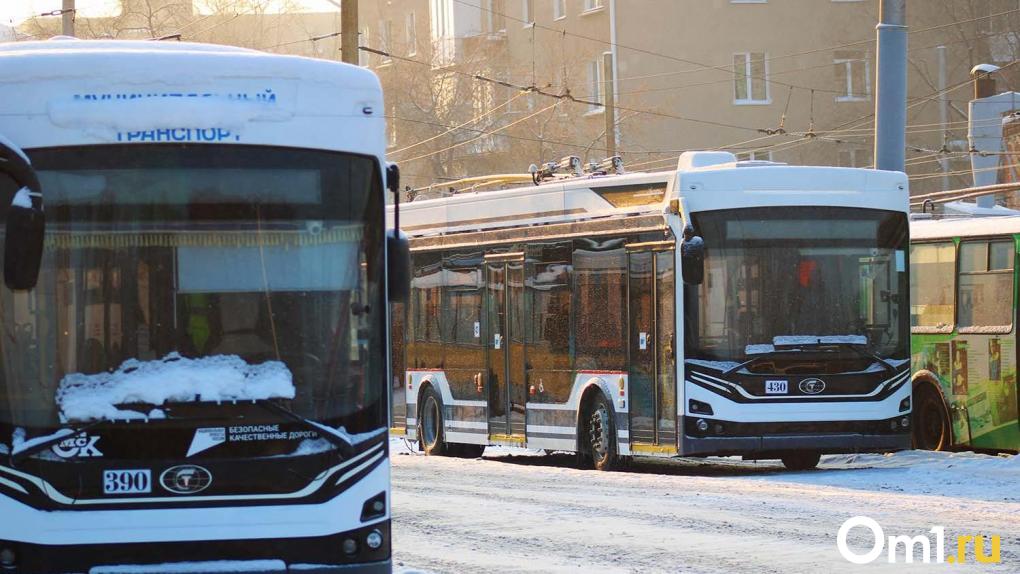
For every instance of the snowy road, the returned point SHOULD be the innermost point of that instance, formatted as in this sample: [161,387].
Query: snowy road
[521,512]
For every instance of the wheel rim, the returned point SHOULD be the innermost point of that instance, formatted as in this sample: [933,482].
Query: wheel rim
[598,431]
[931,425]
[430,422]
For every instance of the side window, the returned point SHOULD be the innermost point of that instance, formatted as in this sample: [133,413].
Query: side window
[933,285]
[985,293]
[600,293]
[425,308]
[548,278]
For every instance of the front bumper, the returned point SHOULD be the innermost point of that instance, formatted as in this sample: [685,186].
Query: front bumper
[322,554]
[768,440]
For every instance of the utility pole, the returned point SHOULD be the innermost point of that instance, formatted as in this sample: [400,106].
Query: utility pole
[349,32]
[940,53]
[891,92]
[609,102]
[67,18]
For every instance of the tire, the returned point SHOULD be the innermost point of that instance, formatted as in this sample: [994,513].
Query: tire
[431,436]
[466,450]
[801,460]
[600,435]
[930,423]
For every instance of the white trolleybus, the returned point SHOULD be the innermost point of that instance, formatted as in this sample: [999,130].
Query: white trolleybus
[193,333]
[725,308]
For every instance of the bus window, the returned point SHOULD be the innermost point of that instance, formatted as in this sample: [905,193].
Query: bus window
[600,292]
[986,284]
[934,266]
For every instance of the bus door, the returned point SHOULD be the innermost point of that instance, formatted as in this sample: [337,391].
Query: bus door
[652,372]
[504,292]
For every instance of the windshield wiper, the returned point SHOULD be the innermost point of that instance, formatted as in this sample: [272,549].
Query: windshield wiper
[756,358]
[346,448]
[867,353]
[858,348]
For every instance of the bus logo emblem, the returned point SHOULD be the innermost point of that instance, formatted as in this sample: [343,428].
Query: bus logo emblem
[188,479]
[811,386]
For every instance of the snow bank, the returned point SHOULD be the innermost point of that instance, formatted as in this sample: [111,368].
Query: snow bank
[954,474]
[172,379]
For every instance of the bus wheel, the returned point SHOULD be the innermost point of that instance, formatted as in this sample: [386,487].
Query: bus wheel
[931,425]
[601,435]
[802,460]
[430,424]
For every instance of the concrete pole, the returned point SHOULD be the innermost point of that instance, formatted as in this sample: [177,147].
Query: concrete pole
[349,32]
[940,53]
[67,18]
[610,103]
[891,91]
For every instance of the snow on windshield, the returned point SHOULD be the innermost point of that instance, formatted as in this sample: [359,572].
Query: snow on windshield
[782,340]
[174,378]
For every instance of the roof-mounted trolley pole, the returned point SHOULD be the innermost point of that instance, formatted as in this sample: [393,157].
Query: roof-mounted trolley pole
[891,100]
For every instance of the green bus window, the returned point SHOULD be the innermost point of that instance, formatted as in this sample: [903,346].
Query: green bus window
[932,288]
[986,284]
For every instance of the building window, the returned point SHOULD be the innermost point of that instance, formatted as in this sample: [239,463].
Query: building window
[852,76]
[410,33]
[985,287]
[364,58]
[750,78]
[529,12]
[595,86]
[932,285]
[764,155]
[494,16]
[559,9]
[385,37]
[590,5]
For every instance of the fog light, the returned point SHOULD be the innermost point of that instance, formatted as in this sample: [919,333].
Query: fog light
[374,539]
[699,407]
[350,546]
[905,422]
[8,558]
[892,424]
[718,429]
[702,425]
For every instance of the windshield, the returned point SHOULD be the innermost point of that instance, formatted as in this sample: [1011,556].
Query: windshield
[791,276]
[176,272]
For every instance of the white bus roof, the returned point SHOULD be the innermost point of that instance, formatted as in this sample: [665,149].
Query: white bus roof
[946,228]
[97,91]
[719,186]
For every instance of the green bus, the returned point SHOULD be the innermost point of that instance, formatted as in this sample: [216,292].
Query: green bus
[963,317]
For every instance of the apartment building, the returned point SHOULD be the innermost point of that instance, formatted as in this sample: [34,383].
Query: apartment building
[491,86]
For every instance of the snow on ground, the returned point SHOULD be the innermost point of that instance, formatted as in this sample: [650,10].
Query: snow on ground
[522,511]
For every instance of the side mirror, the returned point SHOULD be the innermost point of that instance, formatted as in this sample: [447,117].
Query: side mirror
[692,259]
[398,266]
[26,222]
[392,177]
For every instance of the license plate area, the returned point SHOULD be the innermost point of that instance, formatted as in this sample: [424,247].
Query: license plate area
[134,481]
